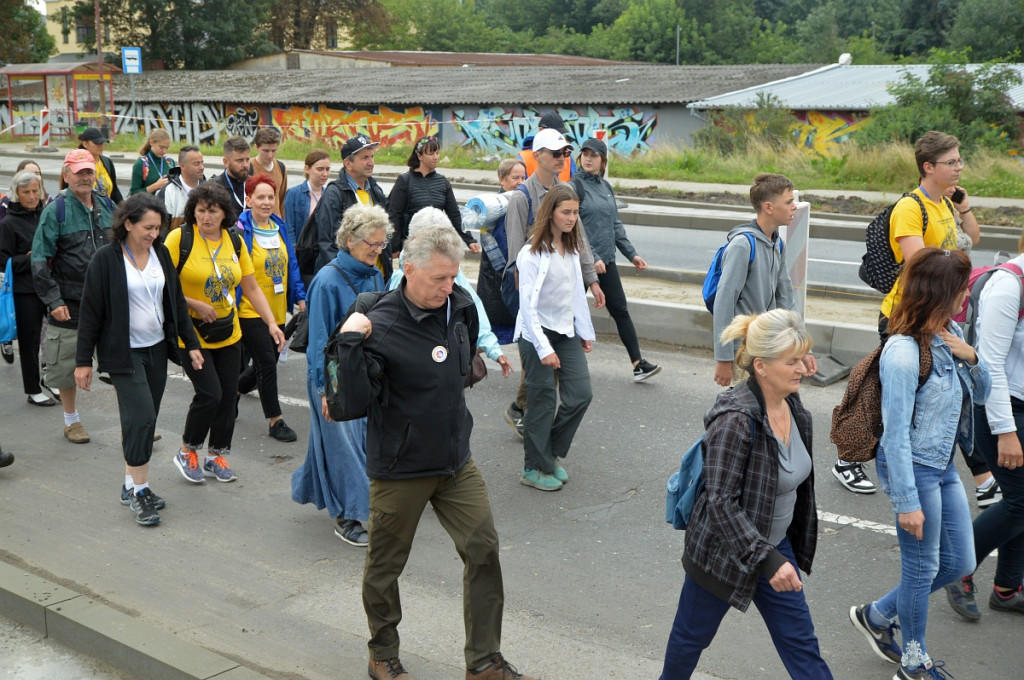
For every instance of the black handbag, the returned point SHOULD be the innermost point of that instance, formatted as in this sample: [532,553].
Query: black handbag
[216,331]
[297,330]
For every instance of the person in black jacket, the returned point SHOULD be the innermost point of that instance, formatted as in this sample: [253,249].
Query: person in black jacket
[417,343]
[423,187]
[16,232]
[132,299]
[355,184]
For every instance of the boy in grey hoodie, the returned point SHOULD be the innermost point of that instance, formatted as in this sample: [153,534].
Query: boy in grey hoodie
[755,285]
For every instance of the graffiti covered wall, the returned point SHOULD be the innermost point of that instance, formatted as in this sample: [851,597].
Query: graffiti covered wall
[823,131]
[501,130]
[210,123]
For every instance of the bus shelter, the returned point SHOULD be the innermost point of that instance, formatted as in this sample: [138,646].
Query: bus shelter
[77,95]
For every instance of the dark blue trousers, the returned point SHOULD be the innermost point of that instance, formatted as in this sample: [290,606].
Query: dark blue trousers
[785,614]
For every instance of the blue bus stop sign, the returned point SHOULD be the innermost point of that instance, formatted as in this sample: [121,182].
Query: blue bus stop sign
[131,60]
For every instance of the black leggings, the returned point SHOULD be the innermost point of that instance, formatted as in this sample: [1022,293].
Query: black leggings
[29,312]
[615,299]
[212,410]
[138,401]
[262,373]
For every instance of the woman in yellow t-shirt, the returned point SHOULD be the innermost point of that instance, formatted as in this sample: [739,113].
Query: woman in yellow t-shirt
[212,267]
[277,273]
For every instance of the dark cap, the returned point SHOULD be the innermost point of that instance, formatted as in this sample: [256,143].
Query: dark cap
[92,135]
[597,146]
[553,121]
[357,144]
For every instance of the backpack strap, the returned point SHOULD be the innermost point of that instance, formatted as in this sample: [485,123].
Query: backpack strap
[188,239]
[579,188]
[924,211]
[529,203]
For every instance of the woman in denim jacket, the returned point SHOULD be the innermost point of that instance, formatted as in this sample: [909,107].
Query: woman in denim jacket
[915,455]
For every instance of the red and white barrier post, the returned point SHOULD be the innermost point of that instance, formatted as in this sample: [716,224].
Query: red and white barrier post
[44,128]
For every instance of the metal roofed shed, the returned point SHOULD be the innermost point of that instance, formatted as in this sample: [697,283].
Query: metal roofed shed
[297,59]
[71,92]
[446,86]
[837,87]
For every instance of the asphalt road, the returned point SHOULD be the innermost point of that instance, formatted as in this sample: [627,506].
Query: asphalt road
[592,572]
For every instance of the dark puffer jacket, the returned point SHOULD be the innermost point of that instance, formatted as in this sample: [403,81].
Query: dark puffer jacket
[413,192]
[16,232]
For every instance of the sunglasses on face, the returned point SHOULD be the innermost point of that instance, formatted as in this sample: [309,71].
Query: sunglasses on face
[561,153]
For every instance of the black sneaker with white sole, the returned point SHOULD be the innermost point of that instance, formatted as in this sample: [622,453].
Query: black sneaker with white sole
[852,476]
[144,509]
[644,369]
[126,498]
[883,642]
[990,496]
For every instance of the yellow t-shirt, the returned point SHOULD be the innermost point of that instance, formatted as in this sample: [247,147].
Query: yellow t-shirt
[200,281]
[104,184]
[267,265]
[905,220]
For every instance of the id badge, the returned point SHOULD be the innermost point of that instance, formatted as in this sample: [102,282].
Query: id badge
[278,285]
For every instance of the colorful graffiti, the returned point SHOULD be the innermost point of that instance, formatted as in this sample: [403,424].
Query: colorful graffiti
[502,130]
[334,126]
[823,131]
[194,123]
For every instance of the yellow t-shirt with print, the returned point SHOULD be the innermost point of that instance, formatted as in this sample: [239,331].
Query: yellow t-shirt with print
[200,281]
[905,220]
[103,184]
[267,265]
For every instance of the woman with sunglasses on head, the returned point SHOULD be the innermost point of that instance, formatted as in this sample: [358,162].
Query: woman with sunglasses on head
[277,272]
[923,423]
[423,187]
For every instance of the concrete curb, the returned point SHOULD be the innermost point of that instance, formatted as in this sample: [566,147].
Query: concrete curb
[691,326]
[94,629]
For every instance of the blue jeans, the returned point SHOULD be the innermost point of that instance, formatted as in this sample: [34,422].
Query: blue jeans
[945,553]
[785,614]
[1002,525]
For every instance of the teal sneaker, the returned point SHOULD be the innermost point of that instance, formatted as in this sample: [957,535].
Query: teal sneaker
[539,480]
[560,474]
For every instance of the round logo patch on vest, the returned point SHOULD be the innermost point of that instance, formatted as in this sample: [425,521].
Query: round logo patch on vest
[439,354]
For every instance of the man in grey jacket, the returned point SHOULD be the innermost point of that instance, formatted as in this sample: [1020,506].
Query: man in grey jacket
[755,281]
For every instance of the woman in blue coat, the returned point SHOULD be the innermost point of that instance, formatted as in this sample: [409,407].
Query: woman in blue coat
[300,201]
[333,475]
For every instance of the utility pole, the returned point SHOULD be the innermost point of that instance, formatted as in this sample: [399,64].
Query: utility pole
[99,64]
[677,42]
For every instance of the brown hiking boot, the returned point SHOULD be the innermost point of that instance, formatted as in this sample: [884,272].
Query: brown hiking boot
[76,434]
[498,670]
[388,669]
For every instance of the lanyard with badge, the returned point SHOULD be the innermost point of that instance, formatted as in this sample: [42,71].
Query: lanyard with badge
[216,270]
[153,272]
[270,240]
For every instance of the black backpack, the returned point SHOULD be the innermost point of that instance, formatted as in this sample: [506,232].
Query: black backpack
[334,392]
[878,267]
[307,246]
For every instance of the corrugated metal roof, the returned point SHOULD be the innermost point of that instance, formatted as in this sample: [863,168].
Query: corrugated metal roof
[446,86]
[427,58]
[839,88]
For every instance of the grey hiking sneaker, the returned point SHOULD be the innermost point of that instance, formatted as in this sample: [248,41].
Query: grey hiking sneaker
[126,498]
[882,640]
[1012,603]
[514,417]
[144,509]
[933,670]
[218,468]
[960,595]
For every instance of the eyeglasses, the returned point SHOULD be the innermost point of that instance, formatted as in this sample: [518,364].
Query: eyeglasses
[951,163]
[562,153]
[376,245]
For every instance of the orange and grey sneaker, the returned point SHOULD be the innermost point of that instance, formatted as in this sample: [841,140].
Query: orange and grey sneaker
[388,669]
[217,467]
[187,462]
[497,669]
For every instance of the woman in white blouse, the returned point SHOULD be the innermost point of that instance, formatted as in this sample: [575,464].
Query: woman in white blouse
[554,331]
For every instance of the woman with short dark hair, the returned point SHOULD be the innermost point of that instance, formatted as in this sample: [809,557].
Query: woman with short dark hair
[423,187]
[132,300]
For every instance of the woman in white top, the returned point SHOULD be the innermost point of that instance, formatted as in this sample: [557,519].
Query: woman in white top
[554,331]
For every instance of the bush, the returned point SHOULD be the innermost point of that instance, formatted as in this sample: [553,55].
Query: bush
[734,129]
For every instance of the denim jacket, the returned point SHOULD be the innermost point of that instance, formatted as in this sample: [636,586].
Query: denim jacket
[921,426]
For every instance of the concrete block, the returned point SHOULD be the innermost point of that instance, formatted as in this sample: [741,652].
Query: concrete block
[24,596]
[130,645]
[851,343]
[829,371]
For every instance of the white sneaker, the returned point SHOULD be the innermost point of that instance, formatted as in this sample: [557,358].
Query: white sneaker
[852,476]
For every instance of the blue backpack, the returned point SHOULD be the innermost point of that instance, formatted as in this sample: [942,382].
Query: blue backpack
[715,271]
[509,292]
[685,486]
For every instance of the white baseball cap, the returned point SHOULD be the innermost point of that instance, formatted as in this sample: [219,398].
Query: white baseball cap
[550,139]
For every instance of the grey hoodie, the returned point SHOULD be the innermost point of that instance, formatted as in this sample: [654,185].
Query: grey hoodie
[749,287]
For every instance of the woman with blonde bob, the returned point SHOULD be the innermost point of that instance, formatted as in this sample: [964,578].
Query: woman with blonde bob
[754,526]
[334,473]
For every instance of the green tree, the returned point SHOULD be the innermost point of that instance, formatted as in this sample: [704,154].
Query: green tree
[646,31]
[991,29]
[26,40]
[971,104]
[295,24]
[189,34]
[446,25]
[922,25]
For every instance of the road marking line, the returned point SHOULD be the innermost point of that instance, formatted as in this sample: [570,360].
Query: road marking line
[852,264]
[833,518]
